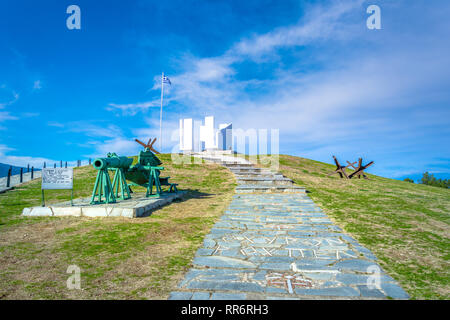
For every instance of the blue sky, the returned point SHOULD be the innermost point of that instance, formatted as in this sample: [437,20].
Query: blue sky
[311,69]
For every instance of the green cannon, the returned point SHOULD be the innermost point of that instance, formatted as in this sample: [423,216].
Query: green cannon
[145,173]
[103,187]
[112,161]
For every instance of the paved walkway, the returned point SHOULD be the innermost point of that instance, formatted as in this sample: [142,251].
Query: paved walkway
[281,246]
[15,180]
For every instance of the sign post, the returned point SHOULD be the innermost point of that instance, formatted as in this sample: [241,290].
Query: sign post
[57,179]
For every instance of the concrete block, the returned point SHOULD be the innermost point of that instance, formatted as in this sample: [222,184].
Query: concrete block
[128,213]
[67,211]
[41,211]
[114,212]
[94,212]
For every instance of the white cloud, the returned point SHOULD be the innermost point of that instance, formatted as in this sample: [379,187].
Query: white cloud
[55,124]
[37,85]
[370,91]
[9,97]
[170,127]
[30,114]
[133,108]
[209,84]
[120,145]
[323,22]
[307,104]
[22,161]
[6,116]
[94,130]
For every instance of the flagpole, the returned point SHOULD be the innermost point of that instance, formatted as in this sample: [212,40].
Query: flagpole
[160,113]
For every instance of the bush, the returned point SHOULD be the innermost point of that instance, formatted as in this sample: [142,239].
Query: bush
[431,180]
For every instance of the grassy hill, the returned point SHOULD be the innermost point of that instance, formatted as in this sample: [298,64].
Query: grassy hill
[119,258]
[405,225]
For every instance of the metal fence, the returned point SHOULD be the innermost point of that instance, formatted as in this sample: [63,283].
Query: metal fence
[32,171]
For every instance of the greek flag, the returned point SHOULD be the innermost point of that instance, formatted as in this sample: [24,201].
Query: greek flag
[166,80]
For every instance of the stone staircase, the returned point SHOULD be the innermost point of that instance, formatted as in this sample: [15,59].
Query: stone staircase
[273,242]
[252,179]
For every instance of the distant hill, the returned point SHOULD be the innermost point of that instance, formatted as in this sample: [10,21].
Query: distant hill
[15,170]
[418,176]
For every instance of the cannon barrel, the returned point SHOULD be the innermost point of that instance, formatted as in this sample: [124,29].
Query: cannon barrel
[112,163]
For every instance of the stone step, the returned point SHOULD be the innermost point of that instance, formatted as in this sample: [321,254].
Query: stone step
[248,188]
[227,162]
[237,164]
[266,181]
[213,160]
[247,169]
[258,174]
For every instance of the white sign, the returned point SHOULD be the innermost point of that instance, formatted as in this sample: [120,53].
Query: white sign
[57,178]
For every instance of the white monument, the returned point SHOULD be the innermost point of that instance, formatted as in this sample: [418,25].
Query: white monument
[195,137]
[186,135]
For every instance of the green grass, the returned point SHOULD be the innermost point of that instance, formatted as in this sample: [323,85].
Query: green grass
[406,225]
[119,258]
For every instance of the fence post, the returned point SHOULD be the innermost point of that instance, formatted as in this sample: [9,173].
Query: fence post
[45,165]
[32,173]
[60,163]
[21,175]
[8,180]
[66,164]
[54,165]
[28,168]
[89,161]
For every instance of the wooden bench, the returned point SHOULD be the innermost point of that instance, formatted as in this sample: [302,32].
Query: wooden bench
[165,182]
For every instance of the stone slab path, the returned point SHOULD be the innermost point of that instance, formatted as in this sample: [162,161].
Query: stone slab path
[282,246]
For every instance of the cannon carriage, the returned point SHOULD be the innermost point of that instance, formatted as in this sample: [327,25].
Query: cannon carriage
[145,173]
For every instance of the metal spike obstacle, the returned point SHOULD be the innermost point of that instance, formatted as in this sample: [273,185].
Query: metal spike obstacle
[149,144]
[340,169]
[359,171]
